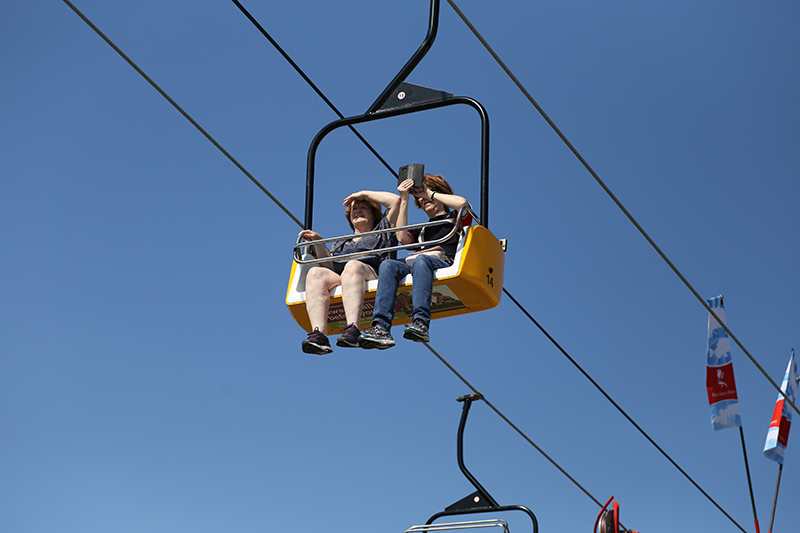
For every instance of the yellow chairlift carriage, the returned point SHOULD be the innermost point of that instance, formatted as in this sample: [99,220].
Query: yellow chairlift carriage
[474,282]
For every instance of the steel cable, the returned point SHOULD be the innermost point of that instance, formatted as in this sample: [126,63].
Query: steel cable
[181,111]
[620,409]
[615,199]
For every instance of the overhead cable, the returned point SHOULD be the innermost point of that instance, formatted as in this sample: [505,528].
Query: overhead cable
[311,83]
[182,112]
[513,426]
[616,200]
[622,411]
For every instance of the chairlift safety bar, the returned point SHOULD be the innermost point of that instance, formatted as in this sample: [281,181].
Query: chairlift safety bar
[455,526]
[457,227]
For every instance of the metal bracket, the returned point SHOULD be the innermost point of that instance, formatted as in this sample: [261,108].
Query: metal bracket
[408,94]
[479,501]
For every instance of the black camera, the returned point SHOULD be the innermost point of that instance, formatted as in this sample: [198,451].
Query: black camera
[415,171]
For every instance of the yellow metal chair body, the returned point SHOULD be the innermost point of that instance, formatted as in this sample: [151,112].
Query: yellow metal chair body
[474,282]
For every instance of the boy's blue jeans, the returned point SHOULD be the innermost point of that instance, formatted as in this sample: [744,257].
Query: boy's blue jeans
[389,275]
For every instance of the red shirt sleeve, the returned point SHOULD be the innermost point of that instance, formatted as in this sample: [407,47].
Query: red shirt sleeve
[466,219]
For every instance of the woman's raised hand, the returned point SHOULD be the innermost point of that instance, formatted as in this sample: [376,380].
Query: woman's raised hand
[405,187]
[360,195]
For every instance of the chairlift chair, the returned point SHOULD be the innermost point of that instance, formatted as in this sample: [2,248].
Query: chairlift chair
[474,281]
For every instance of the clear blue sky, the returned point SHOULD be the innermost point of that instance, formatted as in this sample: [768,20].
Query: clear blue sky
[151,378]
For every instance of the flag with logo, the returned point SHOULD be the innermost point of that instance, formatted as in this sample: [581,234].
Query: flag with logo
[721,386]
[778,434]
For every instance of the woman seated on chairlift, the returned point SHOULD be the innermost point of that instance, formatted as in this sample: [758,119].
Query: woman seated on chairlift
[363,213]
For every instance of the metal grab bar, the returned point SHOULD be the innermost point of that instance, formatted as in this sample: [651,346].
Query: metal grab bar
[454,526]
[457,228]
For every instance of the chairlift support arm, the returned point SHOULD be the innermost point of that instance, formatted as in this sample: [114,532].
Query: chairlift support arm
[479,501]
[421,99]
[433,28]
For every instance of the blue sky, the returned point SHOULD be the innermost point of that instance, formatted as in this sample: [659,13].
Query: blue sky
[152,378]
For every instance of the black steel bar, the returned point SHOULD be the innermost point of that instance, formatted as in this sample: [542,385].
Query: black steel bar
[749,482]
[460,449]
[312,150]
[433,27]
[501,508]
[494,506]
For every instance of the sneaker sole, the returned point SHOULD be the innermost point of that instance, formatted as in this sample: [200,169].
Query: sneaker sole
[368,344]
[316,349]
[344,343]
[416,337]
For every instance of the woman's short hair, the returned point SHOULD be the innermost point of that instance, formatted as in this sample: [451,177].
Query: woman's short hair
[436,183]
[375,207]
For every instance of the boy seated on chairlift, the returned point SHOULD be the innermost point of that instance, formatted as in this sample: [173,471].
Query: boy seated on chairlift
[435,197]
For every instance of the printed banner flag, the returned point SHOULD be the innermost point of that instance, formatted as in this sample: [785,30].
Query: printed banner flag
[778,434]
[720,383]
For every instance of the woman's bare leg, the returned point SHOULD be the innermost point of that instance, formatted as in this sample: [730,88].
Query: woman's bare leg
[319,283]
[354,279]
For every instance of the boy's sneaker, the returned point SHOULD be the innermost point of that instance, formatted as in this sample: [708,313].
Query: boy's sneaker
[417,331]
[349,338]
[317,343]
[376,337]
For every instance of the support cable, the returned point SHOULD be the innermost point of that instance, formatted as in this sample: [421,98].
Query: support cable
[513,426]
[182,112]
[622,411]
[310,83]
[616,200]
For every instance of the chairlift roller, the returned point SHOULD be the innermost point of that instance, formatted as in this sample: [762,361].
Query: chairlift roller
[474,282]
[608,520]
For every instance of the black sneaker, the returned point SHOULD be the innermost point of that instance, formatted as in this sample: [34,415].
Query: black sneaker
[376,337]
[417,331]
[317,343]
[349,338]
